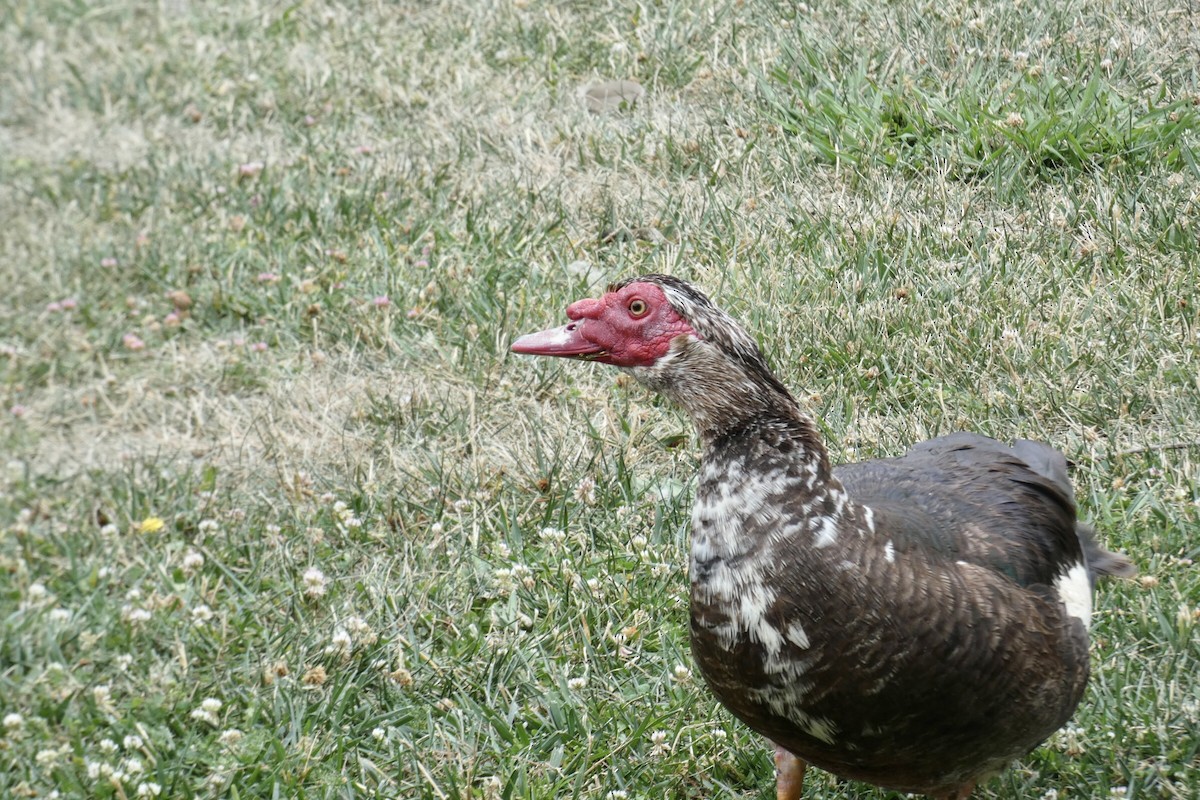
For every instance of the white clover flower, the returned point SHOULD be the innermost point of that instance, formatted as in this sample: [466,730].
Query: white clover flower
[552,536]
[341,642]
[208,526]
[524,574]
[93,769]
[378,734]
[201,614]
[36,592]
[102,695]
[132,766]
[133,742]
[585,492]
[1010,336]
[134,615]
[207,711]
[200,715]
[148,789]
[230,737]
[314,582]
[575,684]
[60,615]
[401,676]
[192,560]
[681,673]
[108,746]
[13,721]
[502,577]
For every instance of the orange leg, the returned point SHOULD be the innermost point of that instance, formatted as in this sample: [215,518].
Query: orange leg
[789,775]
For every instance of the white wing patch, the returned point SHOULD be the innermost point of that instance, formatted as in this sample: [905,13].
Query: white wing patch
[1074,589]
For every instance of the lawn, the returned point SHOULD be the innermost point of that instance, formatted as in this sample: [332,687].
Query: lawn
[281,516]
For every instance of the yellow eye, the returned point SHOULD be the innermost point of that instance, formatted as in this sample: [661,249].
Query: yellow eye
[638,307]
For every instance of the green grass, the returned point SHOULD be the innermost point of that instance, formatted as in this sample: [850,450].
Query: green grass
[977,216]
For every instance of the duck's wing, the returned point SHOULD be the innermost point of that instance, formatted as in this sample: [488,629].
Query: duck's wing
[966,497]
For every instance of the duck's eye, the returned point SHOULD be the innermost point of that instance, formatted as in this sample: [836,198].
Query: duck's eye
[638,307]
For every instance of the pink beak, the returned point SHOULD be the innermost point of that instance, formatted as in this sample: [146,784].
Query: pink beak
[567,342]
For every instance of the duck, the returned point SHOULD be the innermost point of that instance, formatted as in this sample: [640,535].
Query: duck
[916,622]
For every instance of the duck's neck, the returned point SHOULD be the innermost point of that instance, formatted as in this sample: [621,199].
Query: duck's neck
[733,398]
[764,463]
[779,441]
[762,478]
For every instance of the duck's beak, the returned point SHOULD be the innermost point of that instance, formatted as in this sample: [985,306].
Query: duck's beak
[567,342]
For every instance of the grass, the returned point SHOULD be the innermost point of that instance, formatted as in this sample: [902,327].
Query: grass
[262,263]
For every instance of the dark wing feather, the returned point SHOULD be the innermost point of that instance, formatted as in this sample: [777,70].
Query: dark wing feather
[970,498]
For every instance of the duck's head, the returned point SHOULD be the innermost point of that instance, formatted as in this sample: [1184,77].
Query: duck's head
[636,323]
[670,337]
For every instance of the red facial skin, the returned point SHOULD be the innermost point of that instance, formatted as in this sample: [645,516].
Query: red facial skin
[631,327]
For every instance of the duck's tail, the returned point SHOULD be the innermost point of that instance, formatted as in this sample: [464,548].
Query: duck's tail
[1101,562]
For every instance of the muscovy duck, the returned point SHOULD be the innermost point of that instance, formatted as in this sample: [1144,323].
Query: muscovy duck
[914,622]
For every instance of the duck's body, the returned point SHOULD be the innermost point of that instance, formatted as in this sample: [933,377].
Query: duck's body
[915,622]
[873,636]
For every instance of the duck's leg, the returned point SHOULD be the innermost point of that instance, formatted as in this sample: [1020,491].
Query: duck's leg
[789,775]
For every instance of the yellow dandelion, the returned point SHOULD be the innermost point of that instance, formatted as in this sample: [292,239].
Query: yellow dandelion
[151,525]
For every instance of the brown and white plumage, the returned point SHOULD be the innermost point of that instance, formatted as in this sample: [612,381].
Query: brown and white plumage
[915,622]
